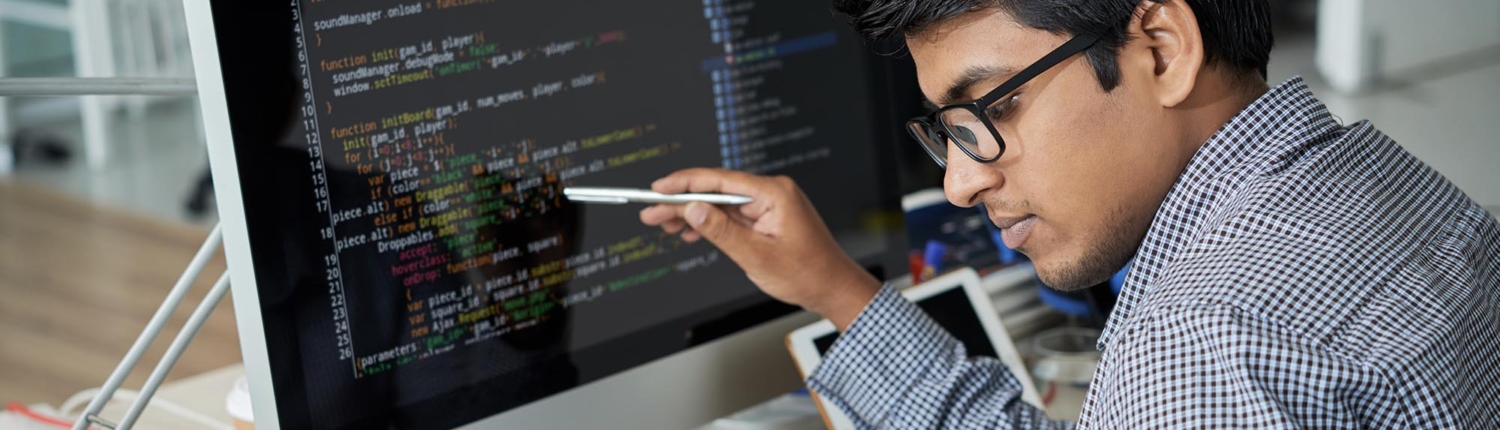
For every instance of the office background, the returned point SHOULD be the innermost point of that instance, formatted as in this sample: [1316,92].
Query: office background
[90,241]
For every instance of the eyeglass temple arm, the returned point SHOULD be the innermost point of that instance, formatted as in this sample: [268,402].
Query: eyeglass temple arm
[1073,46]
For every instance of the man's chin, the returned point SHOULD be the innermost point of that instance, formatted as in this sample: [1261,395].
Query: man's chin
[1070,274]
[1060,282]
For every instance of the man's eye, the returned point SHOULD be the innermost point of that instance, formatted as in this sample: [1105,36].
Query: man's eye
[1002,110]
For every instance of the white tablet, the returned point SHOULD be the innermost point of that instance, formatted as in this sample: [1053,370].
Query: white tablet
[958,303]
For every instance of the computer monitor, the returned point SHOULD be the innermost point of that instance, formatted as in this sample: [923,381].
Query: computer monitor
[389,176]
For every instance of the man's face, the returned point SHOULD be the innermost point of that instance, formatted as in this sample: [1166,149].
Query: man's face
[1083,171]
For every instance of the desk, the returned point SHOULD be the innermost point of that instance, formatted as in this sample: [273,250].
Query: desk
[203,393]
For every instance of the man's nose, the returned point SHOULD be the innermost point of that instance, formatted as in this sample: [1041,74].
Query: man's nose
[965,181]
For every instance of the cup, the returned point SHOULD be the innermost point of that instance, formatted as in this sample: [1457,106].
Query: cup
[237,403]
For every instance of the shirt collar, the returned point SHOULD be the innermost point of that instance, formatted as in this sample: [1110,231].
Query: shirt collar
[1277,125]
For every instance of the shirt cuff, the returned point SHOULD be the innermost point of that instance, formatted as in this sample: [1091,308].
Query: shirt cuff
[889,349]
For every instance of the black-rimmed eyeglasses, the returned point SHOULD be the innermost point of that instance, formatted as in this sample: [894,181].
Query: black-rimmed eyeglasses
[966,123]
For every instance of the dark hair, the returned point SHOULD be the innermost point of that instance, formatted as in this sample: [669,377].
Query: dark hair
[1235,32]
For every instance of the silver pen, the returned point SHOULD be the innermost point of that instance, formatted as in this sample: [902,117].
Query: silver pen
[630,195]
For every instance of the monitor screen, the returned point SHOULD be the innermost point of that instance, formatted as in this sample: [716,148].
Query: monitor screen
[401,165]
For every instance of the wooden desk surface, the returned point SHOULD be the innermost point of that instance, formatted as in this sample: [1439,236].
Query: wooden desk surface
[79,281]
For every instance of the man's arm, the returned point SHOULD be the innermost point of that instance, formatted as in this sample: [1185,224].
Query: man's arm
[897,368]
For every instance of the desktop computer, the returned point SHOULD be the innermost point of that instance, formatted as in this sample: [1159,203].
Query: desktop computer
[389,179]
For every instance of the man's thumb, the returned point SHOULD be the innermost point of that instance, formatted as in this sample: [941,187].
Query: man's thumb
[715,225]
[697,213]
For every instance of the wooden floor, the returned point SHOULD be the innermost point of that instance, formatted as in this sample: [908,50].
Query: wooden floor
[78,283]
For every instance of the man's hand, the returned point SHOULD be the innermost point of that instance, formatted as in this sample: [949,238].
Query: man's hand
[778,240]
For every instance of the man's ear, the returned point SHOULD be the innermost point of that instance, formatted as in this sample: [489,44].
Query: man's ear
[1165,36]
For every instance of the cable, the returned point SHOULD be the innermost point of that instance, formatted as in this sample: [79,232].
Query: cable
[37,417]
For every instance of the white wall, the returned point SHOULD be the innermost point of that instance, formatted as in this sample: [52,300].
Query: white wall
[1360,41]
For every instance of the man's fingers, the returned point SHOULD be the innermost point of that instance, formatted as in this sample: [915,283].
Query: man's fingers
[673,220]
[768,192]
[707,180]
[712,223]
[659,214]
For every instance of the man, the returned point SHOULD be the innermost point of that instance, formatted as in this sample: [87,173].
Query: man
[1288,271]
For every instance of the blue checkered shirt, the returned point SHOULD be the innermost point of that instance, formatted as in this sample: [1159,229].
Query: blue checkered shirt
[1299,274]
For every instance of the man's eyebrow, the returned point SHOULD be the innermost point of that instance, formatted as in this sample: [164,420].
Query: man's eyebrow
[958,90]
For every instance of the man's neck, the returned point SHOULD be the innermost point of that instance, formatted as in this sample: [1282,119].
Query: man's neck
[1213,103]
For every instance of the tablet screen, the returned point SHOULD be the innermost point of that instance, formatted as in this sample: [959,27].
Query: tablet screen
[952,311]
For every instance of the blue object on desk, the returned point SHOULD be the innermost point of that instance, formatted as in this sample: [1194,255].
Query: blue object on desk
[926,211]
[1117,282]
[1071,306]
[970,237]
[933,257]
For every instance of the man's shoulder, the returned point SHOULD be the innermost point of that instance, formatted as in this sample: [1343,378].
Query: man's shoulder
[1316,236]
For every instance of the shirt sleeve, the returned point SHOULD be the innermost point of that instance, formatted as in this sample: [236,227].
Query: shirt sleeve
[897,368]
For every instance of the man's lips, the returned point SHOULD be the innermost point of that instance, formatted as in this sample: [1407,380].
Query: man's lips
[1007,222]
[1015,230]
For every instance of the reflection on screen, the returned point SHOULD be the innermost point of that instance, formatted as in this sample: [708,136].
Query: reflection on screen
[456,280]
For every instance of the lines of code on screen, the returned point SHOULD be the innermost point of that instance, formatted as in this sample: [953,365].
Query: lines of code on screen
[441,133]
